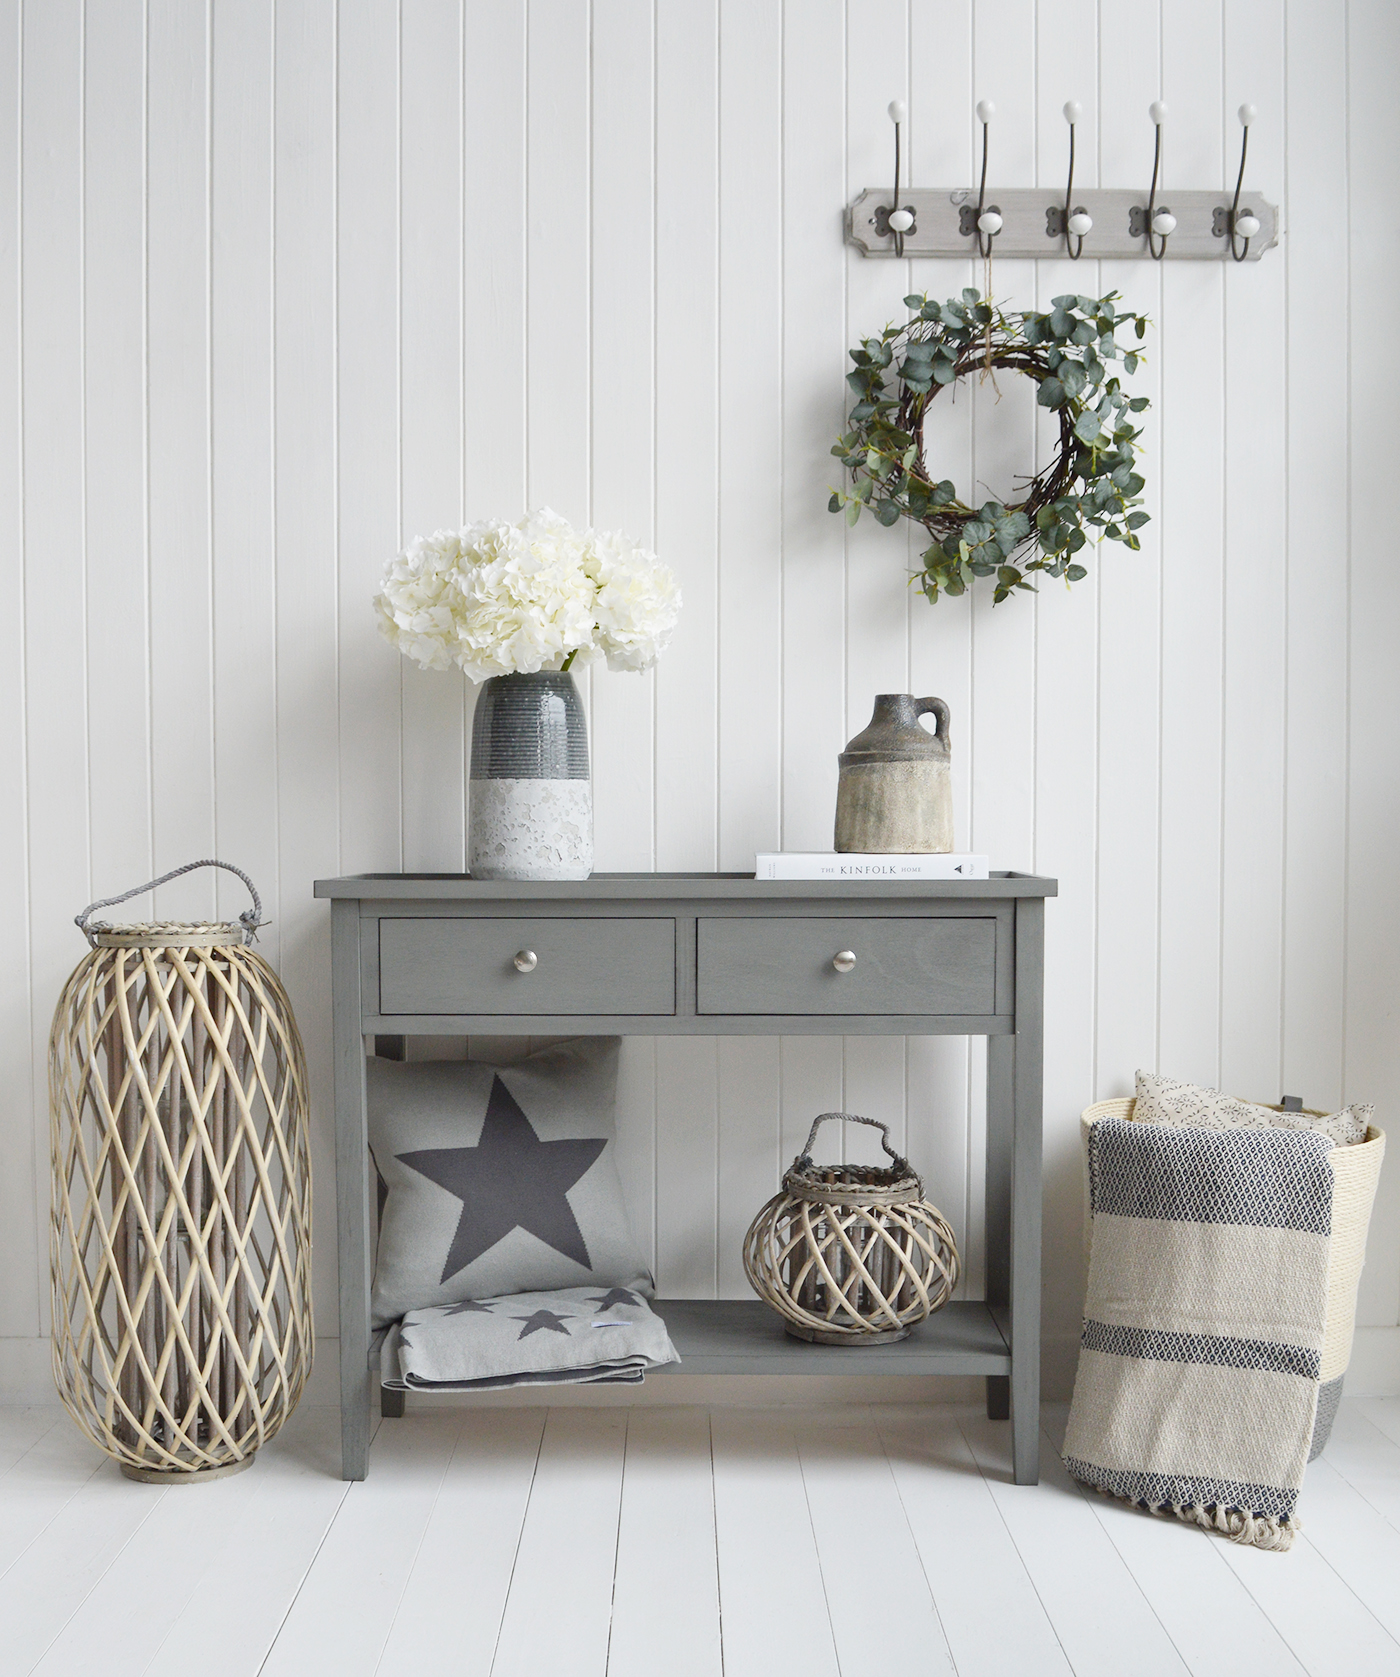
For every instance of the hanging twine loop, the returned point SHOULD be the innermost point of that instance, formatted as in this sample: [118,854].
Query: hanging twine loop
[249,920]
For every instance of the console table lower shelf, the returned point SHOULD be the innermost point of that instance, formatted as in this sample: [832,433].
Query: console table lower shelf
[743,1336]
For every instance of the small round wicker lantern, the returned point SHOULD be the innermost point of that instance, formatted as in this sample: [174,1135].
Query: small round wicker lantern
[180,1235]
[851,1254]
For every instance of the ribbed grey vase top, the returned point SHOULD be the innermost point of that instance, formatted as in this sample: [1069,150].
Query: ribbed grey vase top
[529,727]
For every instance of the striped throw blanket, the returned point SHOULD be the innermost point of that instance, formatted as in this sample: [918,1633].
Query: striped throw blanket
[1197,1389]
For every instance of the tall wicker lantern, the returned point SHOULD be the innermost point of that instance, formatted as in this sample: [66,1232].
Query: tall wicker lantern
[181,1219]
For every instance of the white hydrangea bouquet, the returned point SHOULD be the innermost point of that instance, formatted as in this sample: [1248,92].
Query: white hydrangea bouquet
[502,599]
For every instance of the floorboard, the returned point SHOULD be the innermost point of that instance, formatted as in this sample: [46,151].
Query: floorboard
[578,1542]
[449,1617]
[878,1597]
[666,1611]
[1367,1459]
[342,1614]
[1095,1604]
[979,1580]
[1360,1546]
[47,1583]
[560,1602]
[771,1591]
[251,1577]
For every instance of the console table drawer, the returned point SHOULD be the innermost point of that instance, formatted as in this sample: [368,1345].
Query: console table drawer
[593,966]
[902,966]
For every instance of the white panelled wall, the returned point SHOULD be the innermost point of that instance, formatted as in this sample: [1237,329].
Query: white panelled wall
[285,282]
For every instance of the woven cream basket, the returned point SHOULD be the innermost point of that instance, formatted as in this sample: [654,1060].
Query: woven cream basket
[851,1254]
[181,1218]
[1355,1172]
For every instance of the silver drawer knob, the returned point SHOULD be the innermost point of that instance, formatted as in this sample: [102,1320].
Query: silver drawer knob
[844,960]
[526,961]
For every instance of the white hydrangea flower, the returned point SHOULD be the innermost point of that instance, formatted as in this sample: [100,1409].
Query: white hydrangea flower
[417,601]
[502,599]
[638,601]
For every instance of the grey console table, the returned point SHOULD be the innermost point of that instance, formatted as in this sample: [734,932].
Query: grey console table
[716,954]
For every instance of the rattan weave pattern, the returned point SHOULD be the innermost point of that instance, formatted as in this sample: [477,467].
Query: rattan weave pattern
[181,1214]
[851,1254]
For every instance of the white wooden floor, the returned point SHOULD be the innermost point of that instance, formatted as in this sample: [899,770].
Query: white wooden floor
[668,1542]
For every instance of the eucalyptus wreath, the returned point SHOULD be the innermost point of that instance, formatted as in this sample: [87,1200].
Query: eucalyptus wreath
[1089,489]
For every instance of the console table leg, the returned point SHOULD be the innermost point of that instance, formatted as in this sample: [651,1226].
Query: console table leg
[1027,1071]
[998,1397]
[352,1188]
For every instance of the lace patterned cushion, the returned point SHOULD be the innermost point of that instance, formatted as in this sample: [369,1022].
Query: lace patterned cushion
[1165,1100]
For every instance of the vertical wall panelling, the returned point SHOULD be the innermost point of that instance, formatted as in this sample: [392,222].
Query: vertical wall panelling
[939,1112]
[1189,531]
[621,496]
[367,428]
[241,315]
[687,491]
[1372,1069]
[622,459]
[304,432]
[1315,810]
[430,404]
[877,596]
[494,104]
[52,392]
[114,447]
[284,283]
[1129,608]
[1066,700]
[814,364]
[749,559]
[1251,960]
[20,1126]
[179,444]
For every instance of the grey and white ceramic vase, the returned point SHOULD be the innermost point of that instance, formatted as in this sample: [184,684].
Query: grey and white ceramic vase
[531,805]
[895,794]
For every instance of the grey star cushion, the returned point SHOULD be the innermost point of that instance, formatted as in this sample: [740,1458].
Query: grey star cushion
[574,1336]
[498,1179]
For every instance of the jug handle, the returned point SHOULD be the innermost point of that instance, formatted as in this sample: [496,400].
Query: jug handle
[923,707]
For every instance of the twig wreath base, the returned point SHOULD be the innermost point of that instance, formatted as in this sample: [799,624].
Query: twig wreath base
[1089,490]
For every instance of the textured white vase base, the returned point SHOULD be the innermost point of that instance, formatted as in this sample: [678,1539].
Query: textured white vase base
[530,829]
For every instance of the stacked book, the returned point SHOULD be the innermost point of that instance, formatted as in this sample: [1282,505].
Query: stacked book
[831,864]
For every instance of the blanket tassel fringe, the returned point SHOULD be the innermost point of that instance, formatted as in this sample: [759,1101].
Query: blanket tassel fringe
[1257,1530]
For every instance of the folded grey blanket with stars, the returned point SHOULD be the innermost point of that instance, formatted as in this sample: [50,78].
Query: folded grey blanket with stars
[573,1336]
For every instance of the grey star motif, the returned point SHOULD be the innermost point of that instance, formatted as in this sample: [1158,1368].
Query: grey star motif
[614,1295]
[466,1305]
[540,1320]
[509,1180]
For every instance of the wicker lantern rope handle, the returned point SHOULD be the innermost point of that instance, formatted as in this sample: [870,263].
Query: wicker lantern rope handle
[250,919]
[804,1159]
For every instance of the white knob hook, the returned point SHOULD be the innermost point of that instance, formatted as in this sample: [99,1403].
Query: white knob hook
[1160,222]
[901,221]
[1076,222]
[898,110]
[1244,224]
[988,221]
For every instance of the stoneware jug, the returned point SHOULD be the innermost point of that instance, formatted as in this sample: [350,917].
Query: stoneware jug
[894,795]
